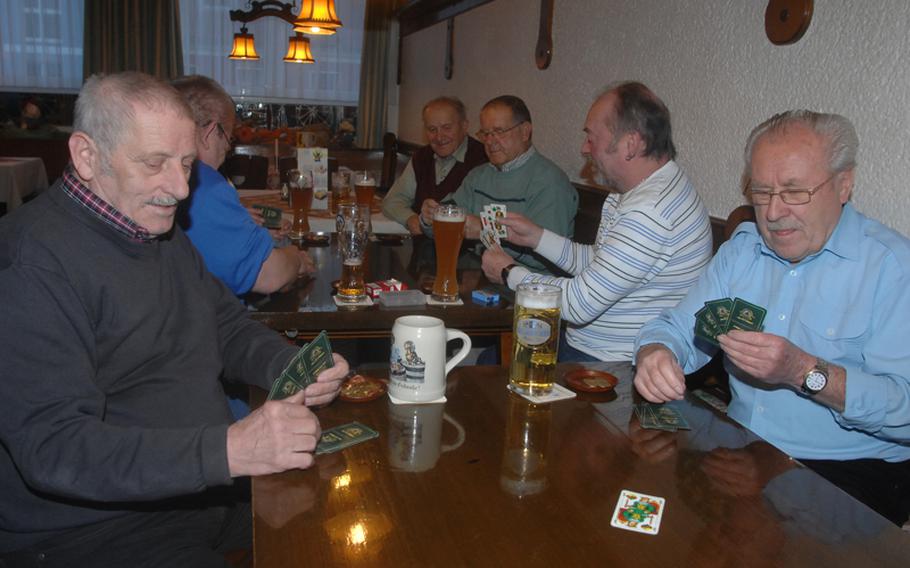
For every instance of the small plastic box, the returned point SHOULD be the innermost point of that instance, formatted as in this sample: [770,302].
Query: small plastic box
[402,298]
[485,297]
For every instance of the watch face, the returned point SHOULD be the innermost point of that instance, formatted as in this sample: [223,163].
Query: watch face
[816,381]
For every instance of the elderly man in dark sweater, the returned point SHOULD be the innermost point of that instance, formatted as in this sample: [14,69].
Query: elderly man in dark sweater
[118,442]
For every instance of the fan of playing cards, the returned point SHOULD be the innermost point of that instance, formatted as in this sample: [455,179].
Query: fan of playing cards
[493,232]
[720,316]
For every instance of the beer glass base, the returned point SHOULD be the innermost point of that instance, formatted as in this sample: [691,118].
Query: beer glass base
[297,235]
[531,390]
[445,299]
[351,299]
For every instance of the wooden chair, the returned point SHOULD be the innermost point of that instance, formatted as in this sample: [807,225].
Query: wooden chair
[739,215]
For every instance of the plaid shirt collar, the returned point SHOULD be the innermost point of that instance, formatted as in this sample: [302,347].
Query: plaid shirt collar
[101,209]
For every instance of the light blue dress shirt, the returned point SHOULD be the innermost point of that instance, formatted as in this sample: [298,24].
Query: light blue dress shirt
[848,304]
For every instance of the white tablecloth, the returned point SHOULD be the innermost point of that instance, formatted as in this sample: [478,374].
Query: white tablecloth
[20,177]
[381,224]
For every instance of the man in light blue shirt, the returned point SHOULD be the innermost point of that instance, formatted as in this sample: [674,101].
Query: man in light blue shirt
[828,378]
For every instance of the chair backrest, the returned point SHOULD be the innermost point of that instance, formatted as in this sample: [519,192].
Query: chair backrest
[739,215]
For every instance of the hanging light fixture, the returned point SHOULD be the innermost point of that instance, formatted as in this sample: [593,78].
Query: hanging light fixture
[317,17]
[299,50]
[244,46]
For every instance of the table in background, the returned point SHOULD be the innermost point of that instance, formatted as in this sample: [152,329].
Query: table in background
[416,497]
[19,178]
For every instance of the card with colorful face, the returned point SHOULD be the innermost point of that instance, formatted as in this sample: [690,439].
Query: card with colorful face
[271,216]
[638,512]
[746,316]
[344,436]
[499,212]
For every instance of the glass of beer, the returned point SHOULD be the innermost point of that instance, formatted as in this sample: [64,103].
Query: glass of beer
[448,232]
[536,338]
[524,458]
[300,189]
[341,190]
[352,240]
[364,187]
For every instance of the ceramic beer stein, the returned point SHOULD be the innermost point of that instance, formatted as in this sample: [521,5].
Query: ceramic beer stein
[418,365]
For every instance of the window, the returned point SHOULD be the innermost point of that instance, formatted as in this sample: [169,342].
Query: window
[41,42]
[334,79]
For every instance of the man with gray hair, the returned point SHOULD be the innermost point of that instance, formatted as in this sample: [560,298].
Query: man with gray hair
[235,248]
[118,442]
[437,169]
[826,380]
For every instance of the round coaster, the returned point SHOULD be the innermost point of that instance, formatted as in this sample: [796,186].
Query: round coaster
[360,388]
[587,380]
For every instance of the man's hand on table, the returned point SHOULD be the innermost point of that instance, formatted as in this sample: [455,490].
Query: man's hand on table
[658,376]
[494,260]
[427,211]
[282,434]
[413,225]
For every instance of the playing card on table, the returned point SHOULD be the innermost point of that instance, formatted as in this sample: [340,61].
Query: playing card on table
[638,512]
[344,436]
[710,400]
[746,316]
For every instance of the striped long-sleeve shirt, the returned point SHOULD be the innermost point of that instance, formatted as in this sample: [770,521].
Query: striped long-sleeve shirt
[652,244]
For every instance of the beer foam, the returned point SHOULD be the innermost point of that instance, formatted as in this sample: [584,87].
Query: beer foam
[444,216]
[535,302]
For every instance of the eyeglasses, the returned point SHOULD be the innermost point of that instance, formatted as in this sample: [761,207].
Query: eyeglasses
[228,139]
[496,132]
[763,195]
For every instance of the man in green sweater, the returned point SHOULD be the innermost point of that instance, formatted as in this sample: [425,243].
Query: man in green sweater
[518,176]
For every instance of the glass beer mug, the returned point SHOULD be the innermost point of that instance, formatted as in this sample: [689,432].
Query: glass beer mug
[448,232]
[300,191]
[536,338]
[351,225]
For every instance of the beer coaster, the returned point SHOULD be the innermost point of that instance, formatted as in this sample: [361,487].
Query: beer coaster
[366,301]
[587,380]
[558,392]
[432,302]
[360,388]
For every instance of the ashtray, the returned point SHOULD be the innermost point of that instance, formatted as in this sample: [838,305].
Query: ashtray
[360,388]
[587,380]
[315,239]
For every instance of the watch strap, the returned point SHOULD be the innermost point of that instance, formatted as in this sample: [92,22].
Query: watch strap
[505,273]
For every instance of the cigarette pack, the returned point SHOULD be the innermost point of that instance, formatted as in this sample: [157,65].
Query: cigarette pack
[485,297]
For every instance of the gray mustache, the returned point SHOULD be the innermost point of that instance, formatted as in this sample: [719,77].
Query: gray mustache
[165,201]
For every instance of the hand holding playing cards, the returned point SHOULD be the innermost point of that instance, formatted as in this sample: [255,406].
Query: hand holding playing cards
[658,376]
[521,230]
[494,260]
[767,357]
[328,383]
[278,436]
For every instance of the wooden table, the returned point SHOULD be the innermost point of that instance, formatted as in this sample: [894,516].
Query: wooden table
[19,178]
[309,307]
[451,485]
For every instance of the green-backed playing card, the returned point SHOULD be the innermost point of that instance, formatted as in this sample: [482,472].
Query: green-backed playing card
[283,387]
[721,310]
[746,316]
[271,216]
[344,436]
[706,325]
[313,358]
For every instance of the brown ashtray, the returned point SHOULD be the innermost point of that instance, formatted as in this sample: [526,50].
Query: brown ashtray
[427,285]
[360,388]
[586,380]
[315,239]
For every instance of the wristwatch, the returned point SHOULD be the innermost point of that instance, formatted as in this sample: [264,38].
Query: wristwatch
[505,273]
[817,378]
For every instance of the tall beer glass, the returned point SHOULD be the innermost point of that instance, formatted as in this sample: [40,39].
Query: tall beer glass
[448,232]
[364,187]
[300,185]
[352,240]
[536,338]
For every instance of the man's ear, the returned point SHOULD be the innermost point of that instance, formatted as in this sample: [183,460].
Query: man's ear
[85,156]
[633,144]
[845,186]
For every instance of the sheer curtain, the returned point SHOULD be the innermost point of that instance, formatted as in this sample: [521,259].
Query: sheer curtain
[334,79]
[41,43]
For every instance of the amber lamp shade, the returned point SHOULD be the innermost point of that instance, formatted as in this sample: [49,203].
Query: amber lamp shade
[299,50]
[244,48]
[317,17]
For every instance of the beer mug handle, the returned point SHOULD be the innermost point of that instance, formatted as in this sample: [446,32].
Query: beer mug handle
[459,438]
[462,353]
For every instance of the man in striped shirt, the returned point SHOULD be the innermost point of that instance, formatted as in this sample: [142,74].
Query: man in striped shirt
[654,237]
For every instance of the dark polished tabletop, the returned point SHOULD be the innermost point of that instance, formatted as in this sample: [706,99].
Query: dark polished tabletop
[308,306]
[487,479]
